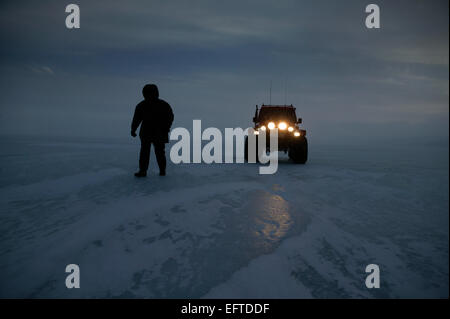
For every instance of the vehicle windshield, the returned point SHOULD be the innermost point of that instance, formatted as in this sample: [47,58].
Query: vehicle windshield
[277,113]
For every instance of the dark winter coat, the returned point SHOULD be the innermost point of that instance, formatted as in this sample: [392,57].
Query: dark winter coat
[155,117]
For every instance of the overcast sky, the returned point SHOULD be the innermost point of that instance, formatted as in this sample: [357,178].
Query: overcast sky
[214,61]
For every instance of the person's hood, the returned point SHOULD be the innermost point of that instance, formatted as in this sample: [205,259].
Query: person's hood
[150,92]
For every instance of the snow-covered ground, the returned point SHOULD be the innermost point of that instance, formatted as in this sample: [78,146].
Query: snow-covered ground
[222,230]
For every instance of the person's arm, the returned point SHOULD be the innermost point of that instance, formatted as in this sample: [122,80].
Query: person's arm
[170,117]
[137,119]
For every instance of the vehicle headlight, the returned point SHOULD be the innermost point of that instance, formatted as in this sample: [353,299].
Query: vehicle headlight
[282,126]
[271,125]
[256,132]
[297,134]
[290,129]
[262,128]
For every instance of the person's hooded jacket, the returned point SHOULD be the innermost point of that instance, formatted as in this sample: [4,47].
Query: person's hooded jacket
[154,115]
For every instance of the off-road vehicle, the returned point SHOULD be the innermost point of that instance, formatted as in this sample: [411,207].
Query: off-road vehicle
[291,139]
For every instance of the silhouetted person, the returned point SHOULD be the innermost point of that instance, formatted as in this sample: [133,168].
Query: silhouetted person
[155,117]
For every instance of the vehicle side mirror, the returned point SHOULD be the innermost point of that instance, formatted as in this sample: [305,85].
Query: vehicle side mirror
[299,121]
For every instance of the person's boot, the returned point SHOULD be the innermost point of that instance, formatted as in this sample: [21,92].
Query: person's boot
[140,174]
[162,173]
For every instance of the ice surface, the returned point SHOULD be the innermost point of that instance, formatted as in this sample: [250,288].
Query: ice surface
[222,230]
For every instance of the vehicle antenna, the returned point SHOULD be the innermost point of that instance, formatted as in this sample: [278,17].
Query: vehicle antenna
[285,91]
[270,93]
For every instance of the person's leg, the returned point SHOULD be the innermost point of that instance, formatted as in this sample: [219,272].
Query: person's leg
[161,157]
[144,155]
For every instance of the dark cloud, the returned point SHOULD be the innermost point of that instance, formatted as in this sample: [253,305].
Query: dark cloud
[214,61]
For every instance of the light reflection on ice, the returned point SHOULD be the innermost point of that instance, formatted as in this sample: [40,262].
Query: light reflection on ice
[273,219]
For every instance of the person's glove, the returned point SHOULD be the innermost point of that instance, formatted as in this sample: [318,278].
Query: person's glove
[133,134]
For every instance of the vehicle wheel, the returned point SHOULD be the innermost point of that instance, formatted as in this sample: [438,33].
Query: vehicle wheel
[298,152]
[246,149]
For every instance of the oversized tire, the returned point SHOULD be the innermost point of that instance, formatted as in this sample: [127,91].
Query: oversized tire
[298,152]
[246,149]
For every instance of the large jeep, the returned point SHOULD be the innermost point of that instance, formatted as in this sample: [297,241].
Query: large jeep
[291,139]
